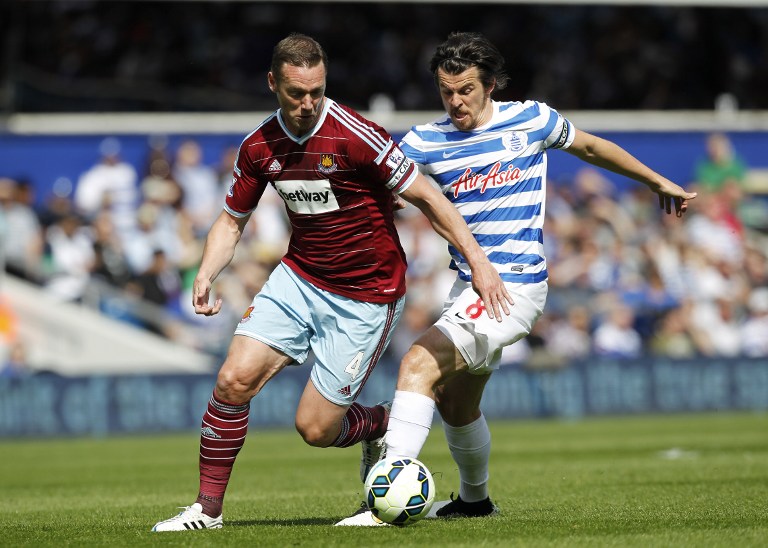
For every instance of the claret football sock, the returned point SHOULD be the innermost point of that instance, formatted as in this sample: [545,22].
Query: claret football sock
[222,435]
[361,423]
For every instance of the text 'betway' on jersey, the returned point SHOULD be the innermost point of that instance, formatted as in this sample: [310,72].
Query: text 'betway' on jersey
[307,197]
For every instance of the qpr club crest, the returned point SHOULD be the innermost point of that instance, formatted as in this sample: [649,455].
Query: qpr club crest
[515,141]
[327,164]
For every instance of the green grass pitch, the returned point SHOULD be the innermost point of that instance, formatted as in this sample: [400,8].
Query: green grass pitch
[677,481]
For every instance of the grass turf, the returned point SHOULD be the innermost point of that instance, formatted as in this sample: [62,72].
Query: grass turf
[694,480]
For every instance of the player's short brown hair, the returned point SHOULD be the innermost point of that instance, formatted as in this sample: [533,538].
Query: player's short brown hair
[298,50]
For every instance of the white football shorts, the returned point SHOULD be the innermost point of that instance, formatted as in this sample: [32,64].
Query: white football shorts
[479,338]
[348,337]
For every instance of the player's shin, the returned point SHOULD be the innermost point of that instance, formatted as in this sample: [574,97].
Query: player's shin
[222,435]
[470,447]
[409,423]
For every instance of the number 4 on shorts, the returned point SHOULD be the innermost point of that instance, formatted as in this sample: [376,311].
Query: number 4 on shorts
[353,367]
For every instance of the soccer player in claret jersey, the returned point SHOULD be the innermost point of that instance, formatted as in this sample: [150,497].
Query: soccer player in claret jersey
[338,290]
[489,158]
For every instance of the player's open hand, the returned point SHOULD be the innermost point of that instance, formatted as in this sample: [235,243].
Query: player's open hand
[201,294]
[670,193]
[487,283]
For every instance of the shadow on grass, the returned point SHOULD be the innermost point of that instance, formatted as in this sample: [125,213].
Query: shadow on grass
[281,522]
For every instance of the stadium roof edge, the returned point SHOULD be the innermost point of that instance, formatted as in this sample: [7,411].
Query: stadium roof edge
[243,122]
[665,3]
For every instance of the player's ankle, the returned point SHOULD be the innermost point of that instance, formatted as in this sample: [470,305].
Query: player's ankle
[212,506]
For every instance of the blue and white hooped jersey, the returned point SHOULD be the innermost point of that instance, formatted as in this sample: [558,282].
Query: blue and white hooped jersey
[495,176]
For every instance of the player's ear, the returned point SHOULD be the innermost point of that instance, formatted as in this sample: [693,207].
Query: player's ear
[271,82]
[490,88]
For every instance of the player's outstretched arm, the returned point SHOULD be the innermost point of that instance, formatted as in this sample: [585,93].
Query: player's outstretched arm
[609,155]
[217,254]
[448,222]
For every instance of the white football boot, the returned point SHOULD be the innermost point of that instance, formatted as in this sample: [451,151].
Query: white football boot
[363,517]
[190,518]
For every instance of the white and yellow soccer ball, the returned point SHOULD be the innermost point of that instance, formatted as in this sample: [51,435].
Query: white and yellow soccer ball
[399,491]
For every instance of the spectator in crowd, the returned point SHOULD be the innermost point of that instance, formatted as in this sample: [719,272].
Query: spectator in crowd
[12,355]
[71,258]
[15,364]
[110,184]
[199,184]
[109,261]
[756,265]
[21,236]
[569,337]
[154,230]
[710,228]
[159,284]
[616,336]
[719,322]
[754,331]
[675,335]
[720,166]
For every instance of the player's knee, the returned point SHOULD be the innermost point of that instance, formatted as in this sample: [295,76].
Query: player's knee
[417,371]
[313,434]
[232,388]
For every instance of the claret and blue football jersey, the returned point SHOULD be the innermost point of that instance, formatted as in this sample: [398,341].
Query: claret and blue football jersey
[337,182]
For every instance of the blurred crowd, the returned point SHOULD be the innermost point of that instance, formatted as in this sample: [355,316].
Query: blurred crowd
[213,56]
[626,280]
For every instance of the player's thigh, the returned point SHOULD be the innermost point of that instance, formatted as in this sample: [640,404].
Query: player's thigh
[479,338]
[249,365]
[348,341]
[458,399]
[431,360]
[279,315]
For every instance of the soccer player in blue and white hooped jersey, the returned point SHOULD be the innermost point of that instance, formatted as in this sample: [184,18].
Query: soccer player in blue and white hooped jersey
[490,159]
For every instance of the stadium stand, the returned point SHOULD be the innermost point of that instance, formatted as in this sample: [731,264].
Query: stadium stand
[131,259]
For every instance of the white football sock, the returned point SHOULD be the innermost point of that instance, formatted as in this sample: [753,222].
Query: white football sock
[470,447]
[409,422]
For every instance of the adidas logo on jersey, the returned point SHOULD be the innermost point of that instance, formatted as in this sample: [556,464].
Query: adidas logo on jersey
[275,166]
[346,391]
[209,433]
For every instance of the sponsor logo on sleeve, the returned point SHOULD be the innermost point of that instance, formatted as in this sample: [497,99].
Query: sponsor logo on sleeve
[399,173]
[395,158]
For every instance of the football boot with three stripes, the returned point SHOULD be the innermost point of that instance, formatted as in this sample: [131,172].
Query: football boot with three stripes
[190,518]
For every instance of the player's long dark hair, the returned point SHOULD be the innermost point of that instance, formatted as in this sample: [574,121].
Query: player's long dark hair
[298,50]
[463,50]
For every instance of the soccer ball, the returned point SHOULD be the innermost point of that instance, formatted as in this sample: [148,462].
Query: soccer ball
[399,491]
